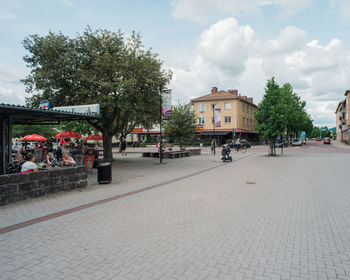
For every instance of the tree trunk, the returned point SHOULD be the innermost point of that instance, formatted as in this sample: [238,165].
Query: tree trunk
[272,149]
[107,145]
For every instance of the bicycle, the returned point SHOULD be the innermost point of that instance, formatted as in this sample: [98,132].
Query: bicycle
[241,148]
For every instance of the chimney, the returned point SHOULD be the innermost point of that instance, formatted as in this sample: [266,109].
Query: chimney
[233,92]
[214,89]
[244,97]
[250,99]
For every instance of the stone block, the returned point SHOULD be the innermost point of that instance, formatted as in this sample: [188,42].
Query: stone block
[70,186]
[8,189]
[81,169]
[54,189]
[18,178]
[54,172]
[38,192]
[73,178]
[83,176]
[37,175]
[82,184]
[4,179]
[68,171]
[43,183]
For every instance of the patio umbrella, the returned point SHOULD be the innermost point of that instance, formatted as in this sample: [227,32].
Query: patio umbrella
[68,134]
[33,137]
[96,137]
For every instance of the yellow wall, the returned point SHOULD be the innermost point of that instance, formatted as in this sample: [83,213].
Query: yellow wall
[236,113]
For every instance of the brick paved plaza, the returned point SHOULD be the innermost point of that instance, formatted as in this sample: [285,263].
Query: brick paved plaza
[258,217]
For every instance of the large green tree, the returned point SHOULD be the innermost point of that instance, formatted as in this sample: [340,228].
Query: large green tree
[271,117]
[97,67]
[21,130]
[182,124]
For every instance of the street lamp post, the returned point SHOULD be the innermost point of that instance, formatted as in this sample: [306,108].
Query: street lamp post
[213,105]
[160,129]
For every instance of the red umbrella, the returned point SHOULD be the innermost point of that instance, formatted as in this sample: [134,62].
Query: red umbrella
[68,134]
[34,137]
[96,137]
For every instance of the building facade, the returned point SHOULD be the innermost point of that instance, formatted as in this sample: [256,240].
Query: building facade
[225,115]
[342,119]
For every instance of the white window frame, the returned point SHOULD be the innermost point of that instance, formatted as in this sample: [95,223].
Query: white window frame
[227,118]
[201,120]
[201,107]
[227,105]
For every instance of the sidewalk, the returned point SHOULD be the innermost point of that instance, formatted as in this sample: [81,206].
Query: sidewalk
[338,144]
[129,173]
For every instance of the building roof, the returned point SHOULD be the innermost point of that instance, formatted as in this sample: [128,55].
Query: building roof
[339,104]
[25,115]
[223,95]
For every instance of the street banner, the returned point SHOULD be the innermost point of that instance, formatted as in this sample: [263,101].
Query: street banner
[89,162]
[217,119]
[166,105]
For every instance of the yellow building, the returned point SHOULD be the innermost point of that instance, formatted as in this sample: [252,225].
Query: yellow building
[225,115]
[342,119]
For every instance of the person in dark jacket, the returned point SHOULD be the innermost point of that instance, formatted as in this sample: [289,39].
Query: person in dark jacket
[16,165]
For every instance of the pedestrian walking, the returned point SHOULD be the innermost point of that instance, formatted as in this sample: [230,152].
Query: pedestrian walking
[122,146]
[212,146]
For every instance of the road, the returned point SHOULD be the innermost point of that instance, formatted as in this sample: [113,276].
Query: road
[259,217]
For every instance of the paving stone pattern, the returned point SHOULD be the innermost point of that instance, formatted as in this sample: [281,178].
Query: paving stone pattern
[257,218]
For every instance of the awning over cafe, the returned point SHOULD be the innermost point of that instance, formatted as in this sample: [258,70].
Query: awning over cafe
[14,114]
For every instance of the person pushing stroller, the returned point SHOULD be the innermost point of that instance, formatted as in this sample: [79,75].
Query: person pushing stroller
[226,153]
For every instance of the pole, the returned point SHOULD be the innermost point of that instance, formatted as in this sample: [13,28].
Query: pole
[214,128]
[160,129]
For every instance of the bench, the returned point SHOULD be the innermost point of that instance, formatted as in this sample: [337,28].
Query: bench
[173,154]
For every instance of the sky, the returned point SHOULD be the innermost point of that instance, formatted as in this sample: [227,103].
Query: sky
[229,44]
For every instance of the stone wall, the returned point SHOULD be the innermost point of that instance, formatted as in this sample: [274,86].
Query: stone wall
[21,186]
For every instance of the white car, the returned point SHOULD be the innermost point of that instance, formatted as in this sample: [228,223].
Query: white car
[297,142]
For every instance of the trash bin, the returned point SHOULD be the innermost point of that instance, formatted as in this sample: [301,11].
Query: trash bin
[104,173]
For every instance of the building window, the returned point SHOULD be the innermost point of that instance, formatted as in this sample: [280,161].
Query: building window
[227,119]
[215,106]
[243,107]
[227,106]
[243,121]
[201,120]
[201,107]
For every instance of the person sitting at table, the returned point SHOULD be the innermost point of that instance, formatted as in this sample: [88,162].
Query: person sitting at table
[16,165]
[29,164]
[50,160]
[67,160]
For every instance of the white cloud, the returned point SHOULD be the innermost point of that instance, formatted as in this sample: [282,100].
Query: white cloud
[341,9]
[8,9]
[12,91]
[229,54]
[202,10]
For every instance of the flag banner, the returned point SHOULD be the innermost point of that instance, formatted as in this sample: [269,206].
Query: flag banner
[166,105]
[217,120]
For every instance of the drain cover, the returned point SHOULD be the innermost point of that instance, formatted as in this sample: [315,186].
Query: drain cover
[250,183]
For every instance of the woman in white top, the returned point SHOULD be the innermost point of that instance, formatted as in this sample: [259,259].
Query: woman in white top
[67,160]
[29,164]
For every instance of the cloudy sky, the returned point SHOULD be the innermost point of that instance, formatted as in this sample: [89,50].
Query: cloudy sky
[231,44]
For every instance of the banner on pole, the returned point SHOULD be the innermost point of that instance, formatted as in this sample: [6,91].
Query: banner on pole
[166,105]
[217,117]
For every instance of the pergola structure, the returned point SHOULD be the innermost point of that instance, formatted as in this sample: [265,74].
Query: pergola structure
[14,114]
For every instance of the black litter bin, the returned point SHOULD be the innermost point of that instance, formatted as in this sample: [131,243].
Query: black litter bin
[104,173]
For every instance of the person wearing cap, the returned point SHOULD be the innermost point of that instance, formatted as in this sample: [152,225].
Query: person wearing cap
[50,160]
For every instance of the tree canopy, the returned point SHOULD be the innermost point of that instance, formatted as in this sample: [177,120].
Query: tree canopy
[97,67]
[182,124]
[281,112]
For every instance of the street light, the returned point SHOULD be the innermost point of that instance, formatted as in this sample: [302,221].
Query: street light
[213,106]
[160,128]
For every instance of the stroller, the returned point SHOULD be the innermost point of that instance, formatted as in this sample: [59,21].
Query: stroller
[226,153]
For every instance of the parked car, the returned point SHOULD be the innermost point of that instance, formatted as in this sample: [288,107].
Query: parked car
[326,140]
[318,139]
[281,144]
[297,142]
